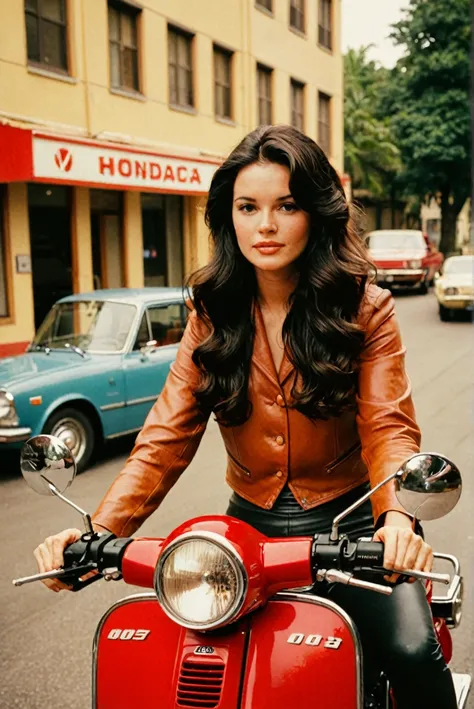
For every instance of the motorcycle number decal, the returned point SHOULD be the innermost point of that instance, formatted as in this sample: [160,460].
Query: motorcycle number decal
[204,650]
[315,641]
[128,634]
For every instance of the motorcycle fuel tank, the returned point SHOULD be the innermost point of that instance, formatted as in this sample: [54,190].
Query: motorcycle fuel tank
[298,651]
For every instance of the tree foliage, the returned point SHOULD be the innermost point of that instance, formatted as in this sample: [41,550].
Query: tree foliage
[370,155]
[427,100]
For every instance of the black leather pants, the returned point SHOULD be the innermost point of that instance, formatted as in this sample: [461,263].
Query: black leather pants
[396,631]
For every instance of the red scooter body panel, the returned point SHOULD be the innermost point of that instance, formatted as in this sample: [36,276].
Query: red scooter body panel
[303,652]
[143,659]
[248,665]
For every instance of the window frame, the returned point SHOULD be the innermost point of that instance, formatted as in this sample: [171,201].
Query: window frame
[326,31]
[324,97]
[298,9]
[146,313]
[300,86]
[267,71]
[263,6]
[40,20]
[222,52]
[180,32]
[134,13]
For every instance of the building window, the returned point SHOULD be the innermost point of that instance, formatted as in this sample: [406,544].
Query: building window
[222,83]
[325,23]
[265,4]
[180,68]
[3,261]
[297,104]
[297,15]
[123,46]
[324,123]
[264,94]
[46,33]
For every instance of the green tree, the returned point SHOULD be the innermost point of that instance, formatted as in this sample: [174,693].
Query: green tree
[427,97]
[370,155]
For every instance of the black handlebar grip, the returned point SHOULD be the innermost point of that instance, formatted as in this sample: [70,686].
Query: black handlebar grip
[74,553]
[369,554]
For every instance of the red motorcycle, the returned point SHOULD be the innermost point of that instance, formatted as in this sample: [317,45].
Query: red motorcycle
[232,619]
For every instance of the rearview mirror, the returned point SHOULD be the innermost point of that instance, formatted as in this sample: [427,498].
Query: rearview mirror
[45,461]
[150,346]
[428,486]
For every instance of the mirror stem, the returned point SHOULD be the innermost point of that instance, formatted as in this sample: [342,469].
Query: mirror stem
[85,516]
[337,520]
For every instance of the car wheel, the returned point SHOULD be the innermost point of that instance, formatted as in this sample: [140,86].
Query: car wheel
[423,289]
[74,428]
[444,313]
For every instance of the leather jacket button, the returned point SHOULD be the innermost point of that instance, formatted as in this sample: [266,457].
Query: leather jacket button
[280,400]
[280,440]
[279,474]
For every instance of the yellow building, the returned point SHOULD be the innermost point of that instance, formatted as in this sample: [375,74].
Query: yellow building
[113,118]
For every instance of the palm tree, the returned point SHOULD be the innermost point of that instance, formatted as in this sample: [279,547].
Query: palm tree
[370,155]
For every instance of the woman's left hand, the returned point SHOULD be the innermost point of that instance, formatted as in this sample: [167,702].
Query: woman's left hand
[404,550]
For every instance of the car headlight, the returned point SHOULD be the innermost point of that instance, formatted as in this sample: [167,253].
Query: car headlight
[8,415]
[450,291]
[200,581]
[414,264]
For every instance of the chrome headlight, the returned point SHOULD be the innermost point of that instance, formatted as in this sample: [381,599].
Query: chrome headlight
[450,291]
[414,264]
[8,415]
[200,581]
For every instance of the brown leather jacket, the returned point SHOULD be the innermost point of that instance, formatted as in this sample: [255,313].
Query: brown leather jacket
[320,459]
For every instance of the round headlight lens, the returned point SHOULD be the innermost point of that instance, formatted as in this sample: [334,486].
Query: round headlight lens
[416,263]
[200,582]
[450,291]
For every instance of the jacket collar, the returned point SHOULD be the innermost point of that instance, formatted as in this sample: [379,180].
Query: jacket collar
[262,355]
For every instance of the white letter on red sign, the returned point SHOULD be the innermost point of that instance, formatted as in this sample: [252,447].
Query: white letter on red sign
[195,176]
[182,174]
[125,167]
[106,165]
[155,171]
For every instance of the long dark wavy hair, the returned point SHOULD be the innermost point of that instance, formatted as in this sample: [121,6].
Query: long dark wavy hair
[320,333]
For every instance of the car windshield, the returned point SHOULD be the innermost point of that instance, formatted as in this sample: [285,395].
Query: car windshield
[459,265]
[91,325]
[396,240]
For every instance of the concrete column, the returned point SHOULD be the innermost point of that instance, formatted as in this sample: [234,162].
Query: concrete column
[196,235]
[83,277]
[133,240]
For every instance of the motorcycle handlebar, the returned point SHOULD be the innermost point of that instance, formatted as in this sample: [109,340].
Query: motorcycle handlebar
[348,556]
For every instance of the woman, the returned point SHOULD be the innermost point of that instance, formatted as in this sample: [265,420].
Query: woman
[299,358]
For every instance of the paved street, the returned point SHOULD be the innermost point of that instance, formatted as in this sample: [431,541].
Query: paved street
[46,638]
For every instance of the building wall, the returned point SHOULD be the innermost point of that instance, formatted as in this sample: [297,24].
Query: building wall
[84,100]
[83,104]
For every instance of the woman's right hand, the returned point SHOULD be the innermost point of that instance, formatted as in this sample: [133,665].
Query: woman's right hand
[49,556]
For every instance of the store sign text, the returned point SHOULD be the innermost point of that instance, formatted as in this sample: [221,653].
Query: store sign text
[142,169]
[92,164]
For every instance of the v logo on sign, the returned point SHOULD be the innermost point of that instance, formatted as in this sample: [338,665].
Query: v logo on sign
[63,159]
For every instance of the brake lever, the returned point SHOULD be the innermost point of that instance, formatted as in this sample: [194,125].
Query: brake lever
[60,574]
[336,576]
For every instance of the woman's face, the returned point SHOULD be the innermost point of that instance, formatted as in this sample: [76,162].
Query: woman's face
[272,232]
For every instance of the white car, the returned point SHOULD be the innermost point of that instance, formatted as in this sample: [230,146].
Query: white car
[454,287]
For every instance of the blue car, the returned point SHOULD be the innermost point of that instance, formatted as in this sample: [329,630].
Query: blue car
[94,369]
